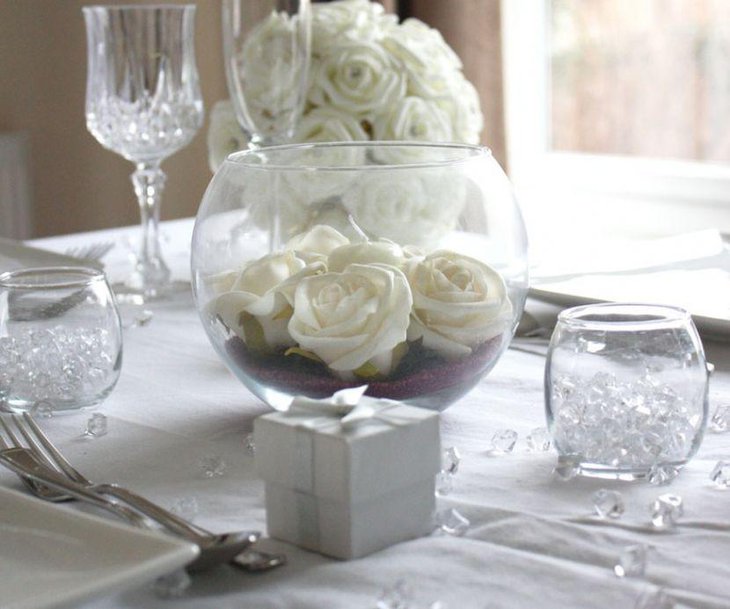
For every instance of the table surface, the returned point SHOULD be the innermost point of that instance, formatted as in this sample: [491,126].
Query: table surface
[533,541]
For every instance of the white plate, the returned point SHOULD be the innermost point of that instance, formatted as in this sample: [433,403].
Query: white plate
[699,284]
[54,556]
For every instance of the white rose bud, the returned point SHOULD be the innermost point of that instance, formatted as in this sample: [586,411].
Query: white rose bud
[458,303]
[353,318]
[319,241]
[367,252]
[328,124]
[333,22]
[360,78]
[463,107]
[257,307]
[413,119]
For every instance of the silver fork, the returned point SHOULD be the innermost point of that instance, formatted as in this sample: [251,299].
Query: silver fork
[93,251]
[219,544]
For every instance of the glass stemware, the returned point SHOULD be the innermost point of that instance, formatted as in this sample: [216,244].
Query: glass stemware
[143,102]
[266,48]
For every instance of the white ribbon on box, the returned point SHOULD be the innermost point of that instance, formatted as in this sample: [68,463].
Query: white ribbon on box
[347,406]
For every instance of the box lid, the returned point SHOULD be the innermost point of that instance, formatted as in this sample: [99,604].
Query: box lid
[318,455]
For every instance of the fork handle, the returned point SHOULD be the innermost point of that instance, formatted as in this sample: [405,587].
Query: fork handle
[23,463]
[160,515]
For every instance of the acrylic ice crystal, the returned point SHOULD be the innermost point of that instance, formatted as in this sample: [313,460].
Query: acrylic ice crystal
[96,426]
[539,440]
[567,468]
[212,466]
[661,474]
[174,585]
[452,522]
[444,484]
[631,561]
[665,511]
[720,420]
[608,503]
[248,444]
[41,410]
[185,507]
[450,460]
[397,596]
[720,474]
[503,441]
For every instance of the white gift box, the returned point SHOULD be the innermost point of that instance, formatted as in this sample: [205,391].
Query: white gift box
[348,488]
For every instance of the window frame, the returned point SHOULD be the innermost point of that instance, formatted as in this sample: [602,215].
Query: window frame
[694,194]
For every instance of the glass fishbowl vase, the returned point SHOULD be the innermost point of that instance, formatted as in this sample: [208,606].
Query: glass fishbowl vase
[399,266]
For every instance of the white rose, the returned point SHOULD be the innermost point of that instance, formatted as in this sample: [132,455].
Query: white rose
[429,62]
[367,252]
[333,22]
[257,306]
[319,241]
[270,72]
[458,303]
[413,119]
[464,109]
[225,135]
[328,124]
[417,207]
[360,78]
[354,318]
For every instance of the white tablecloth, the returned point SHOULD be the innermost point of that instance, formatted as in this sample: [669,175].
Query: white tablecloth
[532,541]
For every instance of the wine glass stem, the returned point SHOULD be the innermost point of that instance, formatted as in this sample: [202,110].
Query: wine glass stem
[151,273]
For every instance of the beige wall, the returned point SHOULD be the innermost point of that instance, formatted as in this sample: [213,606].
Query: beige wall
[77,184]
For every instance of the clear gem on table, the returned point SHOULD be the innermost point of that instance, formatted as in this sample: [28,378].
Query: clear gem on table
[450,460]
[608,503]
[213,466]
[539,440]
[249,445]
[97,425]
[567,468]
[631,561]
[452,522]
[173,585]
[720,420]
[186,507]
[661,474]
[720,474]
[503,441]
[42,410]
[397,596]
[444,483]
[666,510]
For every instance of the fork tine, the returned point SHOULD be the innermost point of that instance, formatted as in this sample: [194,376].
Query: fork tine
[11,436]
[58,460]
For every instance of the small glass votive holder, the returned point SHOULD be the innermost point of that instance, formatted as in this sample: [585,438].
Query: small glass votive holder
[626,389]
[60,339]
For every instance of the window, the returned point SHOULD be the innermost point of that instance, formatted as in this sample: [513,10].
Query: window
[618,115]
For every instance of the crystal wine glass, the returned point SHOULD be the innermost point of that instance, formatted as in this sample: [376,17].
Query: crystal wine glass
[143,101]
[266,48]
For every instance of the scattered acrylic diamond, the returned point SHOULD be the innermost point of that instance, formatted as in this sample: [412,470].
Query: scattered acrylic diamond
[504,441]
[665,511]
[631,561]
[42,410]
[249,445]
[450,460]
[661,474]
[452,522]
[96,426]
[444,483]
[213,466]
[720,474]
[397,596]
[186,508]
[539,440]
[608,504]
[567,468]
[173,585]
[720,420]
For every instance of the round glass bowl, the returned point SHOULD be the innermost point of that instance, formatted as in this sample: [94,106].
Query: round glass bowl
[626,388]
[60,339]
[323,266]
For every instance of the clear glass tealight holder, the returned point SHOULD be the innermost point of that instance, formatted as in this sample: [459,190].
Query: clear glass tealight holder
[626,388]
[60,339]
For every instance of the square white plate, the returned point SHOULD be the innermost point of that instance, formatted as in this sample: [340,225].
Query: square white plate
[54,556]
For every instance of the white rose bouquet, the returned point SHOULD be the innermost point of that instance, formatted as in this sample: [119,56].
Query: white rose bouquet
[356,309]
[372,78]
